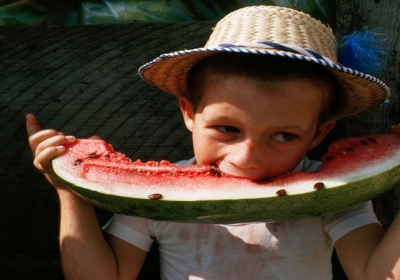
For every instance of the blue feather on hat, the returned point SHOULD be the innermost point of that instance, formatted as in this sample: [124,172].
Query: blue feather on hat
[363,51]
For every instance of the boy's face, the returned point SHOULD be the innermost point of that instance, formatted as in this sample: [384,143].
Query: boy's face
[250,132]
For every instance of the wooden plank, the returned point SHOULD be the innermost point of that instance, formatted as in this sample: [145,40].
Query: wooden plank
[81,80]
[384,17]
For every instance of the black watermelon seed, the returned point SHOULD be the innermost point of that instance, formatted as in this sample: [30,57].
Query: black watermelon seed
[319,186]
[214,172]
[93,155]
[78,161]
[364,142]
[281,192]
[155,196]
[329,158]
[372,140]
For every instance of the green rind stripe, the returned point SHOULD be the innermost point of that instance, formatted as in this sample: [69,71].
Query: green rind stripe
[279,208]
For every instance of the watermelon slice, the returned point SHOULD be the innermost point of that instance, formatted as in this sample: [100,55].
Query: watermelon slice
[354,170]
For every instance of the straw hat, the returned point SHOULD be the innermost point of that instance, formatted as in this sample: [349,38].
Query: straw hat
[275,31]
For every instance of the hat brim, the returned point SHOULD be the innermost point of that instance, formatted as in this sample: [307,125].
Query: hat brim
[361,91]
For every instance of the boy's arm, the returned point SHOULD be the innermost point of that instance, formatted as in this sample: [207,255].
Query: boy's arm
[368,253]
[85,253]
[356,251]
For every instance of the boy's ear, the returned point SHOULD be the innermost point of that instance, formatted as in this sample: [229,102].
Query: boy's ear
[322,131]
[187,110]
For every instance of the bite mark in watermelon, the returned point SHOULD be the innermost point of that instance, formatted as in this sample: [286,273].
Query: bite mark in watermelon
[354,170]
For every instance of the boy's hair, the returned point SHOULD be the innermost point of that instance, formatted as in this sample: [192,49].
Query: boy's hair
[266,72]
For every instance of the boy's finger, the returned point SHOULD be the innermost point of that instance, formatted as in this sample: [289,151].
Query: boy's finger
[43,160]
[35,139]
[32,126]
[55,141]
[396,129]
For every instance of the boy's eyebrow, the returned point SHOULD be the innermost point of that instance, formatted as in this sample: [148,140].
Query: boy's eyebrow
[219,117]
[296,127]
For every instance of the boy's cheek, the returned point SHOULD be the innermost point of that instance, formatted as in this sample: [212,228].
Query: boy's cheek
[206,153]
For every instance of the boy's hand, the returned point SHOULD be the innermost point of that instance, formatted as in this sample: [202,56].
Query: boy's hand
[396,129]
[45,145]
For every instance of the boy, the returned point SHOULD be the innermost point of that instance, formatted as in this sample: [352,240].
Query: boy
[262,93]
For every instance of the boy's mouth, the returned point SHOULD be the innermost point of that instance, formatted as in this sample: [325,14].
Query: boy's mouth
[236,173]
[243,174]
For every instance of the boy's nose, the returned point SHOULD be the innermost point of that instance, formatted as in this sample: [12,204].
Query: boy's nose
[246,155]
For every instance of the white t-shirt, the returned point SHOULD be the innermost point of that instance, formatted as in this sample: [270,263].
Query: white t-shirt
[280,250]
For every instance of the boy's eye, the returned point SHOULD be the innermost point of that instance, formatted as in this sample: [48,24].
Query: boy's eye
[227,129]
[283,137]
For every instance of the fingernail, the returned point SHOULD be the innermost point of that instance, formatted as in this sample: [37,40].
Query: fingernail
[60,133]
[70,138]
[60,148]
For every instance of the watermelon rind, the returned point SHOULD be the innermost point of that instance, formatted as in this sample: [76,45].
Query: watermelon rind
[335,196]
[230,200]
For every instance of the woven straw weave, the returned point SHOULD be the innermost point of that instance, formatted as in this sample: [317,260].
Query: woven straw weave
[275,24]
